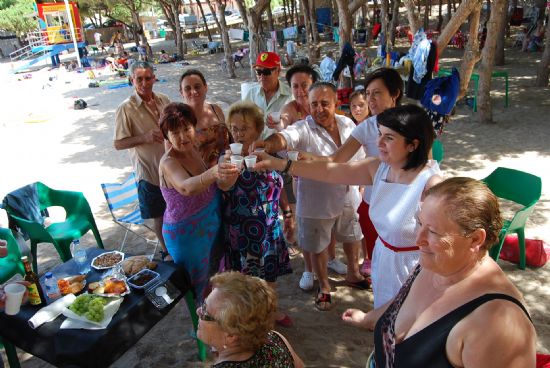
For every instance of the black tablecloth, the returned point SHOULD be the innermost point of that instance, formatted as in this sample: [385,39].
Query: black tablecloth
[91,348]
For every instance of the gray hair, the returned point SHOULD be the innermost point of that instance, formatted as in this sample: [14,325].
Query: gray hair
[140,65]
[324,84]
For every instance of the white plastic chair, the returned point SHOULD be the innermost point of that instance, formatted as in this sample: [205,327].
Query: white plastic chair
[122,199]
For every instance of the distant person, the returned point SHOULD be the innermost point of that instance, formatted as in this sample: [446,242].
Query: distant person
[137,129]
[165,58]
[270,94]
[327,67]
[237,321]
[2,53]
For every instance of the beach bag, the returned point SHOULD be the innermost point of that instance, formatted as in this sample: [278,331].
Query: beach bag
[536,251]
[80,104]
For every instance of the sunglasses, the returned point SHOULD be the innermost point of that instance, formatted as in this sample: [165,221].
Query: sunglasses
[265,72]
[203,314]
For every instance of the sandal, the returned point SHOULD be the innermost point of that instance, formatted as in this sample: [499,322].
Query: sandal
[364,284]
[323,302]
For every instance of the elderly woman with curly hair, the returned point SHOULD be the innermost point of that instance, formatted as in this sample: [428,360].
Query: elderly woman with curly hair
[237,320]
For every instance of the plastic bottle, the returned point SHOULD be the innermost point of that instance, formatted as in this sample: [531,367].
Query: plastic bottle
[79,255]
[52,290]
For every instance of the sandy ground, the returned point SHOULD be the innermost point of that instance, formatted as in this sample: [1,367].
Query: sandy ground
[44,139]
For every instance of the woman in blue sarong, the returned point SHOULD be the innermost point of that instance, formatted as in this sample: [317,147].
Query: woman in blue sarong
[192,217]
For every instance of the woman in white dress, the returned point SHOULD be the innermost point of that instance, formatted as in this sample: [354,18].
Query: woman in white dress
[400,176]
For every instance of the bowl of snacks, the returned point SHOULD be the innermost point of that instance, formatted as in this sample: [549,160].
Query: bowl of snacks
[143,279]
[107,260]
[133,265]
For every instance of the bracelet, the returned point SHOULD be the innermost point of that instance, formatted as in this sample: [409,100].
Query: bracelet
[287,167]
[288,216]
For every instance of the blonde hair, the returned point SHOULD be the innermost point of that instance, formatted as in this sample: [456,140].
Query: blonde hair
[471,205]
[247,309]
[249,111]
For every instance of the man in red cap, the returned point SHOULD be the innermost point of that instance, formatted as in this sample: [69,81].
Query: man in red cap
[270,94]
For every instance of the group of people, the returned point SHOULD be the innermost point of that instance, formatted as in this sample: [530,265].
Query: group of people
[424,240]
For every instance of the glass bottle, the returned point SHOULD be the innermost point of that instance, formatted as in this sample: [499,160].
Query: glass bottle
[36,295]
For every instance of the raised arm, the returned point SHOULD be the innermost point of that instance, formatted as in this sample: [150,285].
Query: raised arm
[352,173]
[275,143]
[181,181]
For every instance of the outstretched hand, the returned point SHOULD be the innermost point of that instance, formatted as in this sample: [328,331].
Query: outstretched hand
[267,162]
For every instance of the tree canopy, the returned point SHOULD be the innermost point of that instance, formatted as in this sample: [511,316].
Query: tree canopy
[16,16]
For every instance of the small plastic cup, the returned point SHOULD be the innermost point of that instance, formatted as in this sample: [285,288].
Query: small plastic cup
[14,297]
[292,155]
[276,116]
[259,149]
[250,162]
[237,160]
[236,148]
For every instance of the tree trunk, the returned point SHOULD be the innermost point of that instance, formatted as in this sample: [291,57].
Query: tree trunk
[225,38]
[384,5]
[204,20]
[499,52]
[394,20]
[471,54]
[440,16]
[543,70]
[304,6]
[368,24]
[426,15]
[460,16]
[285,13]
[449,11]
[254,22]
[314,30]
[270,19]
[412,16]
[242,9]
[344,23]
[487,62]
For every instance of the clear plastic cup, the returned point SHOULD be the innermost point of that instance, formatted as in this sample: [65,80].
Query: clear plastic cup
[237,160]
[259,149]
[250,162]
[292,155]
[14,297]
[276,116]
[236,148]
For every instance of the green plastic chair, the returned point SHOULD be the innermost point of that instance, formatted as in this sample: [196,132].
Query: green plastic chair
[437,151]
[522,188]
[79,220]
[192,306]
[11,264]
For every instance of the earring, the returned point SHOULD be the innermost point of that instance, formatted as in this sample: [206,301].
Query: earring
[224,347]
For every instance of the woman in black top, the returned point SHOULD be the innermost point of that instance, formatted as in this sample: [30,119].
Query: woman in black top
[458,308]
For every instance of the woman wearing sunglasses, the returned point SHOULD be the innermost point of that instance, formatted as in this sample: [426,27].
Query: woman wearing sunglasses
[236,320]
[212,135]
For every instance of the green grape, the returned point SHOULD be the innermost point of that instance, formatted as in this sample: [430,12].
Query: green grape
[89,306]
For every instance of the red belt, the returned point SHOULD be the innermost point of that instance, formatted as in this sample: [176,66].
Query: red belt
[395,249]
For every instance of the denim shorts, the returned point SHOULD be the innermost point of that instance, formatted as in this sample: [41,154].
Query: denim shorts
[151,201]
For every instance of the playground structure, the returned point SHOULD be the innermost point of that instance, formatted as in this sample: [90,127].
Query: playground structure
[53,36]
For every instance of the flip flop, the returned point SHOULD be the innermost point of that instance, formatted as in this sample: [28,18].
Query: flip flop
[323,302]
[361,285]
[286,321]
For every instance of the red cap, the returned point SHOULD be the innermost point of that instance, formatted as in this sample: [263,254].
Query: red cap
[268,60]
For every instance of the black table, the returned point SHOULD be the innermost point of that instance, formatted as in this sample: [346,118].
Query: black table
[89,348]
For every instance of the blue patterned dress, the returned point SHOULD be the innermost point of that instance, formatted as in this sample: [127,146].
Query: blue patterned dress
[253,231]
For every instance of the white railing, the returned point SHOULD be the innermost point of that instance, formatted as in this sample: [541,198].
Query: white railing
[42,38]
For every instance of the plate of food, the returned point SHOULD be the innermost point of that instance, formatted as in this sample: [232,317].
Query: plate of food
[109,286]
[71,284]
[93,309]
[107,260]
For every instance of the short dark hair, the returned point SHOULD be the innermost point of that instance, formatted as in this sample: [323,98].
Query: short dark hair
[358,92]
[392,80]
[412,122]
[189,72]
[328,85]
[176,115]
[301,68]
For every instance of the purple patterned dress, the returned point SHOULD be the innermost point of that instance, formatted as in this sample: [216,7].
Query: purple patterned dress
[252,228]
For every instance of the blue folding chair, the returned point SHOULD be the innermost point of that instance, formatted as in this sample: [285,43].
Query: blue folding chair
[122,199]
